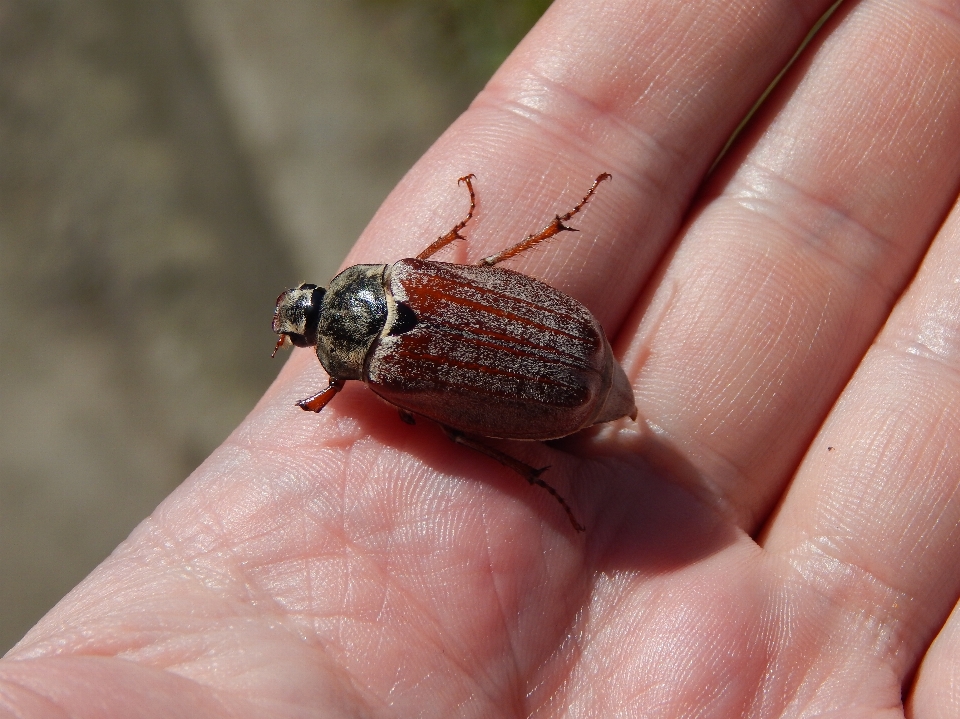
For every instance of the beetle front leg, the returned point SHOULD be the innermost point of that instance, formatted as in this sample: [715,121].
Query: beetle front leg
[554,228]
[454,234]
[321,398]
[531,474]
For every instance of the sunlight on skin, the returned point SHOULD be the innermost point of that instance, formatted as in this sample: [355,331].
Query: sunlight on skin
[347,564]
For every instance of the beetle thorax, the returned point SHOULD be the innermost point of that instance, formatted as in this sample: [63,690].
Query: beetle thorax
[352,316]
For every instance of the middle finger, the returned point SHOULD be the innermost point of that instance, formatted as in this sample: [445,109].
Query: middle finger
[782,281]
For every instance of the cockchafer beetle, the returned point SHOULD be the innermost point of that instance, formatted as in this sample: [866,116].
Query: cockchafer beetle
[482,350]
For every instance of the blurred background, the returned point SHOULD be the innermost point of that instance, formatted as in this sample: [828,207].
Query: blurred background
[166,168]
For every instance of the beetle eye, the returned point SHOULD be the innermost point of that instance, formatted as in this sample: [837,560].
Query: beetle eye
[405,321]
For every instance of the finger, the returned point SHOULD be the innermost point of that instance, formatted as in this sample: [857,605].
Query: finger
[783,279]
[936,694]
[646,91]
[872,521]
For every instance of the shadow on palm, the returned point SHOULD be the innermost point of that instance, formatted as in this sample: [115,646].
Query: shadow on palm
[637,520]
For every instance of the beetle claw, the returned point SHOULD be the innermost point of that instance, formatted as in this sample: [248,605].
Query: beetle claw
[535,479]
[321,398]
[531,474]
[454,234]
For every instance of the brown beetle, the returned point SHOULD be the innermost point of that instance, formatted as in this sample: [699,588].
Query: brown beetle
[484,351]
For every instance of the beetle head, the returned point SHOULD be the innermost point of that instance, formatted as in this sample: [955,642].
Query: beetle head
[297,315]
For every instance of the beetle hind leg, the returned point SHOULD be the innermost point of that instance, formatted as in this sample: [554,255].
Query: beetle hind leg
[531,474]
[554,228]
[454,234]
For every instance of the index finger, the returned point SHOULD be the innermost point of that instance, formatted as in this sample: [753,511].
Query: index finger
[646,91]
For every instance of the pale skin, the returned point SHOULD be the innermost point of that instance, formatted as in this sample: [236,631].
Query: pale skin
[779,533]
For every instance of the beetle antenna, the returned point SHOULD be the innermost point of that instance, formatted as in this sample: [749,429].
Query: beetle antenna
[280,342]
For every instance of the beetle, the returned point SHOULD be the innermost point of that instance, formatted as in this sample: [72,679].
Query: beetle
[483,350]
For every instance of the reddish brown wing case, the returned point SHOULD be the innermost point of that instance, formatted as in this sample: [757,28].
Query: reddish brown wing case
[495,353]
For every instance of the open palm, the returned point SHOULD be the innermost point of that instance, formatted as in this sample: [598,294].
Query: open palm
[779,533]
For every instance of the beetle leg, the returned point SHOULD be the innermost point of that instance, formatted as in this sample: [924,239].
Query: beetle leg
[321,398]
[531,474]
[454,234]
[554,228]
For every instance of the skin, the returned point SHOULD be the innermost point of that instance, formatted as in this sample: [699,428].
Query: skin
[777,536]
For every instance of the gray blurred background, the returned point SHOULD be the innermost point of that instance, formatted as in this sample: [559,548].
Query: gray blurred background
[166,167]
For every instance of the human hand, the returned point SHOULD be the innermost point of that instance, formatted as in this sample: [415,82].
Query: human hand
[777,536]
